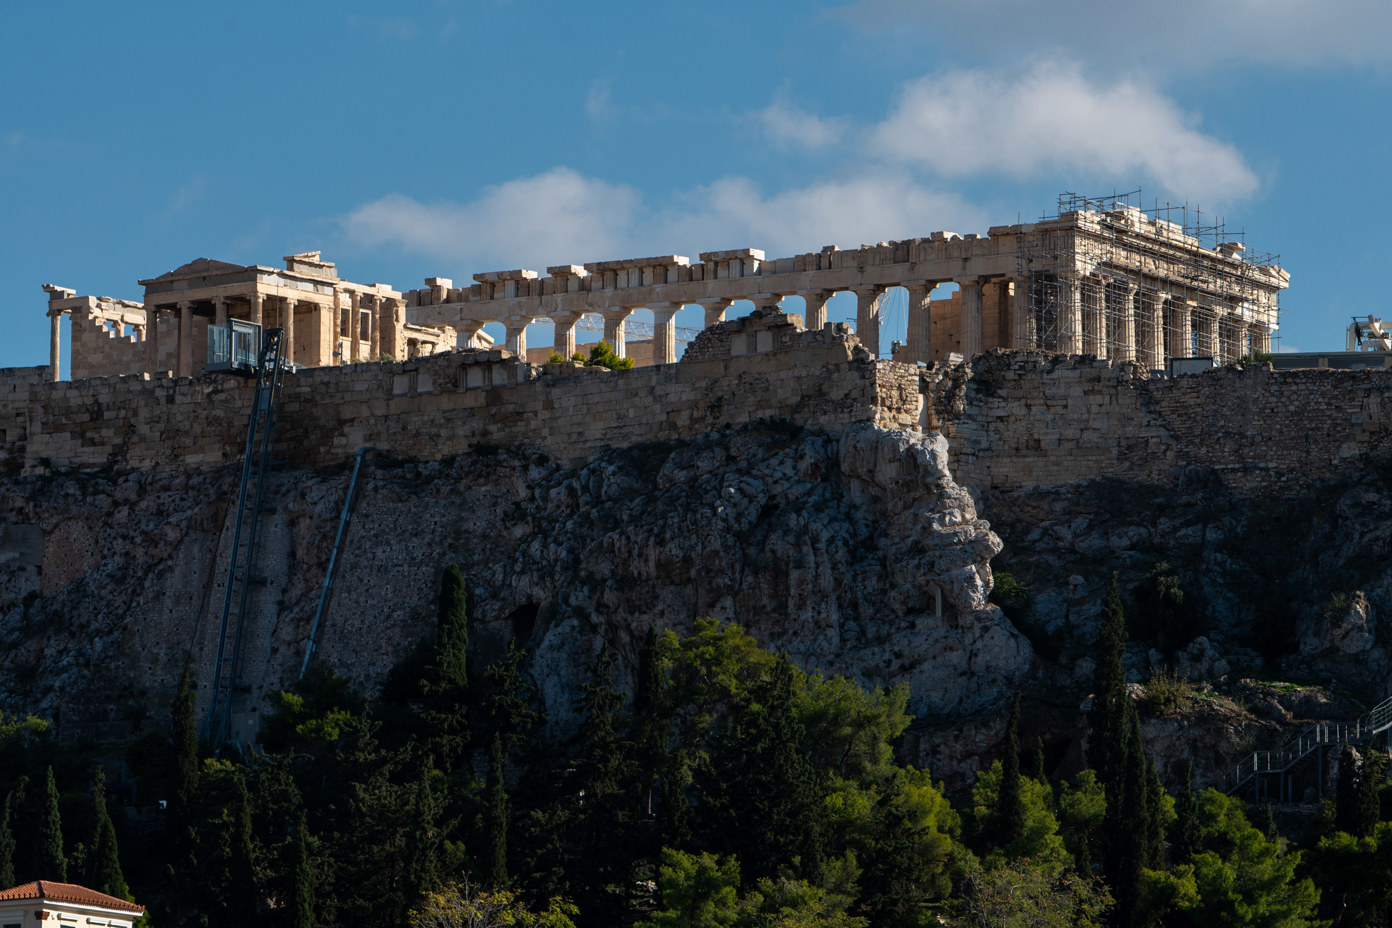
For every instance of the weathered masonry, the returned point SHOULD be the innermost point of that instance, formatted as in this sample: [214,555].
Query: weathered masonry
[1110,280]
[207,313]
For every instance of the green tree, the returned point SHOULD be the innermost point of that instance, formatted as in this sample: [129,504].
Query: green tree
[1347,811]
[1372,778]
[7,843]
[496,819]
[52,864]
[1028,893]
[424,842]
[1353,875]
[764,795]
[604,356]
[1184,838]
[104,869]
[1242,878]
[185,734]
[458,905]
[452,632]
[1010,812]
[244,886]
[1082,806]
[697,891]
[1041,772]
[300,906]
[1107,722]
[1037,835]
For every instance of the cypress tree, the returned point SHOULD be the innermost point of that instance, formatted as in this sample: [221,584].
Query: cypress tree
[244,888]
[1155,821]
[301,902]
[51,862]
[1185,840]
[1107,719]
[496,818]
[1010,810]
[423,848]
[1041,772]
[1372,776]
[185,779]
[7,845]
[104,867]
[452,632]
[1346,811]
[1128,823]
[1265,821]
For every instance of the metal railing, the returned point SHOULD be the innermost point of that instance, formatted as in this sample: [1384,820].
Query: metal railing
[1318,735]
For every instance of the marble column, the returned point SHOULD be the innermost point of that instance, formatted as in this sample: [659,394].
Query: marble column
[1025,334]
[1204,324]
[664,332]
[715,311]
[1069,313]
[152,360]
[1091,294]
[1151,334]
[1179,334]
[184,362]
[467,332]
[256,301]
[814,317]
[969,293]
[516,337]
[1261,339]
[1122,319]
[287,338]
[614,329]
[920,329]
[355,326]
[55,331]
[374,315]
[564,338]
[868,301]
[394,321]
[220,311]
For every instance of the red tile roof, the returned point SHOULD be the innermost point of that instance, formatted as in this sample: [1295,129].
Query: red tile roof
[66,892]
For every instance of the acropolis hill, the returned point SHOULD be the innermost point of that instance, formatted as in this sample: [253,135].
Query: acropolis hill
[779,474]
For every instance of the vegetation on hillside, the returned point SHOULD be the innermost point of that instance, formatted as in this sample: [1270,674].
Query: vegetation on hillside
[729,788]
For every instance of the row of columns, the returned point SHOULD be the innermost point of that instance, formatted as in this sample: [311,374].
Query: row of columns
[1111,317]
[384,314]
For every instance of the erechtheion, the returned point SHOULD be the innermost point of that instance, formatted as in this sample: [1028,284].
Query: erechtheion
[1101,278]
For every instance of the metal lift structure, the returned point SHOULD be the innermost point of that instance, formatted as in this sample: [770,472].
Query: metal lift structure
[257,463]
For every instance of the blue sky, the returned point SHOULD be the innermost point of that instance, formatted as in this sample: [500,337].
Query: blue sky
[442,138]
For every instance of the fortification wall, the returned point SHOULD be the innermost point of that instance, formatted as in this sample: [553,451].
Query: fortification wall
[438,406]
[1025,418]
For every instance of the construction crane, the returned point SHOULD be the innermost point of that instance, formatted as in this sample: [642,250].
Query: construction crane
[1365,333]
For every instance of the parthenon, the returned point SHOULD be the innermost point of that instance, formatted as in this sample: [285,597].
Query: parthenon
[1106,279]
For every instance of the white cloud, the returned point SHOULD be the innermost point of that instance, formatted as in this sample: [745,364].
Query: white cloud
[787,125]
[186,196]
[1053,120]
[556,217]
[874,206]
[1175,34]
[562,217]
[599,104]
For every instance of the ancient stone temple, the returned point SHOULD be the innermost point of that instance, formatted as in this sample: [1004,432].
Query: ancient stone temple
[1101,278]
[208,314]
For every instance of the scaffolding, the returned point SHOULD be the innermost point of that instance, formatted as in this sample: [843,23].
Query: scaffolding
[1107,277]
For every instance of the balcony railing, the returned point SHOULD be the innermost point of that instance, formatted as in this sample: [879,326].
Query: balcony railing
[234,346]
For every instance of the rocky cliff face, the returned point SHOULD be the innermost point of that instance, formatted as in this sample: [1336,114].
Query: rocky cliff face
[855,552]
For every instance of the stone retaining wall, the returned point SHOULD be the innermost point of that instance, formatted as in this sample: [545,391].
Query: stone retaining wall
[1015,419]
[437,406]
